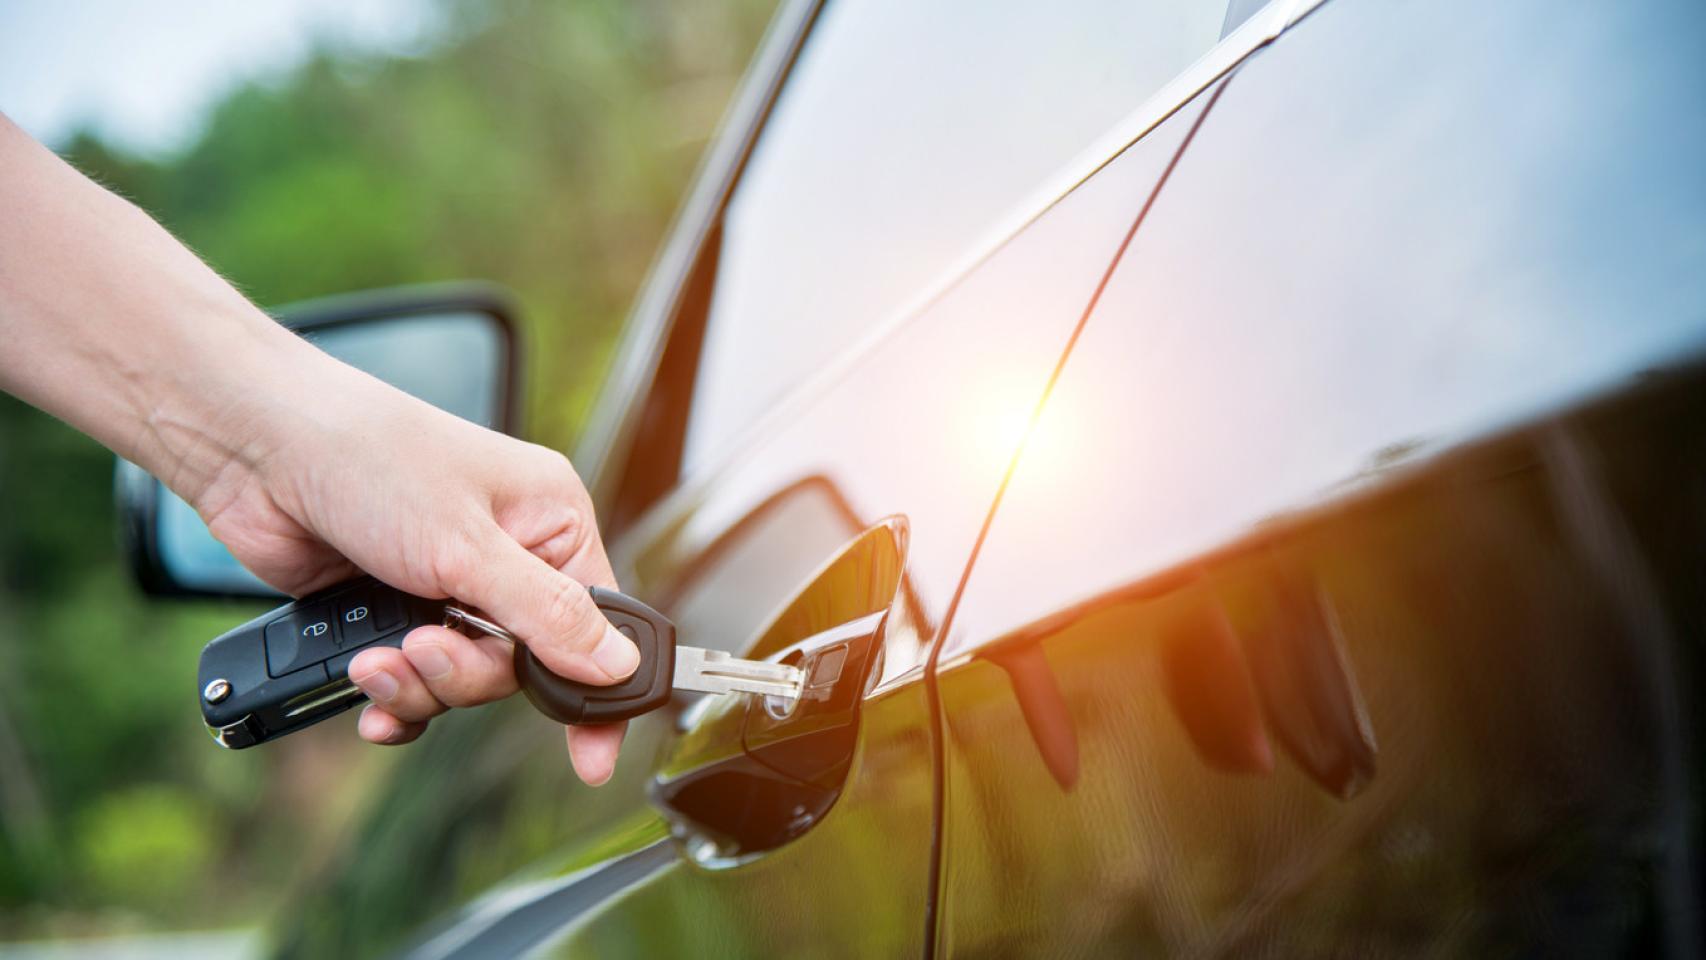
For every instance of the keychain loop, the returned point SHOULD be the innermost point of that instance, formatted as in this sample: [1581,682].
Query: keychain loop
[455,616]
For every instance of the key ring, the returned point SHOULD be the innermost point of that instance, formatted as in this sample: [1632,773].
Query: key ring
[455,616]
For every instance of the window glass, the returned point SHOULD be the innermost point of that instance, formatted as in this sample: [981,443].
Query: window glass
[905,132]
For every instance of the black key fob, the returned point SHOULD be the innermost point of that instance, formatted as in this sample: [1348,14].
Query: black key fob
[566,701]
[289,668]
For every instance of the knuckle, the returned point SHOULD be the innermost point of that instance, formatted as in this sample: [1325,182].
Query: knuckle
[416,708]
[554,459]
[456,562]
[577,528]
[557,468]
[451,667]
[569,607]
[458,694]
[461,689]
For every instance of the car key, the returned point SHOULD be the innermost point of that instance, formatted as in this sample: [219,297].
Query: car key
[288,669]
[664,667]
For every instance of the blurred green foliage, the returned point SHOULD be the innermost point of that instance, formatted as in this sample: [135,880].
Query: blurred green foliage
[541,145]
[143,845]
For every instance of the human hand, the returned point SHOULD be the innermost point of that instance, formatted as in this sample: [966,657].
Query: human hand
[347,473]
[306,468]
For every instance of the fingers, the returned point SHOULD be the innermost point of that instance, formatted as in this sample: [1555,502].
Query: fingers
[438,668]
[390,681]
[593,749]
[575,551]
[378,726]
[551,613]
[460,671]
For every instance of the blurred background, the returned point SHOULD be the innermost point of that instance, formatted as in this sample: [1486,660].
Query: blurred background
[303,147]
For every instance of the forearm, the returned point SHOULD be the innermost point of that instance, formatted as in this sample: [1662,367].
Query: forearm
[110,324]
[305,467]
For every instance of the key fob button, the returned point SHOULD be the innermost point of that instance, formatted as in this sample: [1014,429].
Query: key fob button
[300,638]
[364,616]
[300,682]
[387,612]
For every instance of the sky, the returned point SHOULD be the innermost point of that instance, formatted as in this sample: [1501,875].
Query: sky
[143,73]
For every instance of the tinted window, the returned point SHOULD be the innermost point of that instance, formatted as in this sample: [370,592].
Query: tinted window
[905,132]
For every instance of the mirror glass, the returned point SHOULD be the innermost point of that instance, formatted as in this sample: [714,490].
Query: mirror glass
[455,360]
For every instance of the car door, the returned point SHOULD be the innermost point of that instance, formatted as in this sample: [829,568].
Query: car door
[1345,599]
[860,494]
[818,400]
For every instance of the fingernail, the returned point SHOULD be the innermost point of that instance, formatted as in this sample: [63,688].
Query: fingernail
[375,730]
[378,685]
[430,660]
[616,655]
[378,730]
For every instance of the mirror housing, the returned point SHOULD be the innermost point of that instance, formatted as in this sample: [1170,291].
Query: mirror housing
[453,345]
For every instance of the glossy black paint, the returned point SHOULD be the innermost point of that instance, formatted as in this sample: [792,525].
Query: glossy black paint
[1481,743]
[1341,594]
[1380,633]
[757,534]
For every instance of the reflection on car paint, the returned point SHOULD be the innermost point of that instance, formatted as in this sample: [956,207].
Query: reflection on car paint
[1374,602]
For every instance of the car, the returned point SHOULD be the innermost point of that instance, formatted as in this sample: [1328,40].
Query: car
[1232,475]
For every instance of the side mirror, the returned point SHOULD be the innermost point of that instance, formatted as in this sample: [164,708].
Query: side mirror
[451,345]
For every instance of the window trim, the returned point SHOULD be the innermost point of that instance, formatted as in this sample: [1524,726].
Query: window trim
[605,447]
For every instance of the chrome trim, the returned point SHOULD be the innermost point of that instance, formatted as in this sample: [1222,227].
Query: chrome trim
[237,734]
[531,917]
[340,692]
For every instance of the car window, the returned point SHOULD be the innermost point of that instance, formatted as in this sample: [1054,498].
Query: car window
[904,133]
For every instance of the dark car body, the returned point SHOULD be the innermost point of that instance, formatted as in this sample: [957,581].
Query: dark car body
[1285,534]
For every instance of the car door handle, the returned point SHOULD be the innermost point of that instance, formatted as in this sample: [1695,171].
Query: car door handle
[823,658]
[747,774]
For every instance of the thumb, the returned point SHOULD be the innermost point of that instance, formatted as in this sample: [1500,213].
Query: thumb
[550,612]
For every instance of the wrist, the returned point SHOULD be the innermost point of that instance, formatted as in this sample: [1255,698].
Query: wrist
[224,404]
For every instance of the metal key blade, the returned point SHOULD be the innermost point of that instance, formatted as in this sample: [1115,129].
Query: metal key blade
[696,669]
[713,671]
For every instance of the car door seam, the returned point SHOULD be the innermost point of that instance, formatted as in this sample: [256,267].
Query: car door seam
[938,752]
